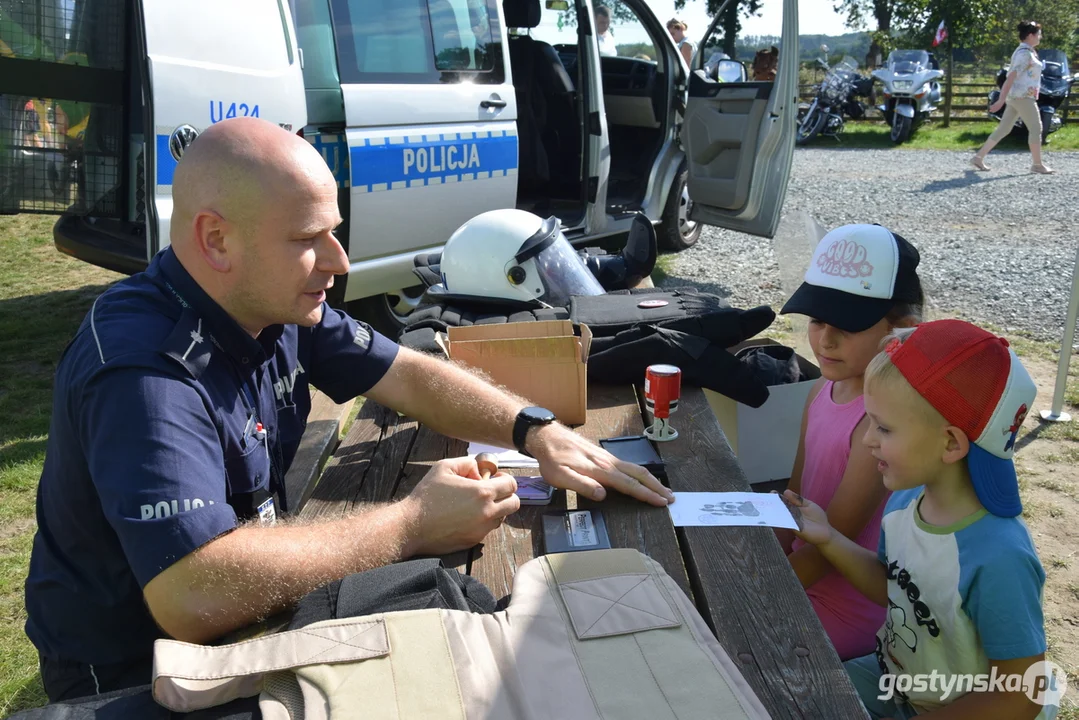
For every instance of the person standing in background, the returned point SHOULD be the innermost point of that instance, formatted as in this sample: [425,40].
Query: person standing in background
[603,32]
[1020,92]
[677,28]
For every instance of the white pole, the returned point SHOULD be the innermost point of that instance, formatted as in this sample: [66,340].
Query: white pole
[1056,414]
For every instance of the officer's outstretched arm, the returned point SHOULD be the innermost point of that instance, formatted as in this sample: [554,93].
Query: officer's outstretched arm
[254,571]
[458,402]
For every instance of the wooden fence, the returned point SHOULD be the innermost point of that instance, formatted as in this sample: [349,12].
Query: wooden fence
[968,90]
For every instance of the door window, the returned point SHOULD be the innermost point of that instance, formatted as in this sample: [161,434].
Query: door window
[418,41]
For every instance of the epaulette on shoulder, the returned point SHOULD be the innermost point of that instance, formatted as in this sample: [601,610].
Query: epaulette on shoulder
[189,343]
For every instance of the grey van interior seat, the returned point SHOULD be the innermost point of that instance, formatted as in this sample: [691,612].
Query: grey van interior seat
[547,124]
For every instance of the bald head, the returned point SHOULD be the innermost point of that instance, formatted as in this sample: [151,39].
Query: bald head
[238,168]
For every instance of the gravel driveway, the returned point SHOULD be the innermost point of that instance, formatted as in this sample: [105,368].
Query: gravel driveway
[996,247]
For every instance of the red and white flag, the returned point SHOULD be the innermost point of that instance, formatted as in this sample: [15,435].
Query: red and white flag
[941,36]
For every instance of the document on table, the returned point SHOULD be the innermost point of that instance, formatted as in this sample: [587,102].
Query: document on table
[728,509]
[506,458]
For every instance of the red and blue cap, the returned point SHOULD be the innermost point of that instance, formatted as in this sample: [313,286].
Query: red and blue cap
[975,380]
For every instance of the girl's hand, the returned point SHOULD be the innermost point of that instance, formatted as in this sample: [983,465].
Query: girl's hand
[997,105]
[813,526]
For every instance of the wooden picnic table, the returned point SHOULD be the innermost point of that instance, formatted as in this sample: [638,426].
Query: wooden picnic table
[739,578]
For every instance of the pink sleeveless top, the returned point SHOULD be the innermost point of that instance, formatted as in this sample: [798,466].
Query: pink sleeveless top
[850,619]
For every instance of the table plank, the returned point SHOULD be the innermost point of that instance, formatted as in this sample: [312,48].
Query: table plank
[745,587]
[428,448]
[612,411]
[366,467]
[320,438]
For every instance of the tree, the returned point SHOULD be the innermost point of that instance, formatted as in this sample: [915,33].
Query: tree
[733,12]
[859,12]
[1059,20]
[620,13]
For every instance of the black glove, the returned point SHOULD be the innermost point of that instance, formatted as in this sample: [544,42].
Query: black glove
[704,362]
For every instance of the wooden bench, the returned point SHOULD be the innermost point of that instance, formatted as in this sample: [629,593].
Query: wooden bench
[738,577]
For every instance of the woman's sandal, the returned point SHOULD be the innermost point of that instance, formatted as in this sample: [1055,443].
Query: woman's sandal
[1041,170]
[979,163]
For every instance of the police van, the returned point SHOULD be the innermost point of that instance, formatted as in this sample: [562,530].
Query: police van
[428,112]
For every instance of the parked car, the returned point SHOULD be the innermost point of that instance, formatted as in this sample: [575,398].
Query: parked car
[430,112]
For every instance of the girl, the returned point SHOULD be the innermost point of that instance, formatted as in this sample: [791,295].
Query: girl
[861,284]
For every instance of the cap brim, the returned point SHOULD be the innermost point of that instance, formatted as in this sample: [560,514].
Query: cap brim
[995,482]
[837,308]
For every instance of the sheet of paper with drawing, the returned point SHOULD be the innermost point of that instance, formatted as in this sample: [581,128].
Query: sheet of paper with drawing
[730,509]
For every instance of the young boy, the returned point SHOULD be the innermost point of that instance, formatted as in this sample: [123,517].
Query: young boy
[956,567]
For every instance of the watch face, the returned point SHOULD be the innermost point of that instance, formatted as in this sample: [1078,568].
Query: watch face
[538,414]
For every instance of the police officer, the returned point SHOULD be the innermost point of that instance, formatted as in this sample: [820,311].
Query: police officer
[179,406]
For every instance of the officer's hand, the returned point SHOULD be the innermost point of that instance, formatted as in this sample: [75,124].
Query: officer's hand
[569,461]
[453,509]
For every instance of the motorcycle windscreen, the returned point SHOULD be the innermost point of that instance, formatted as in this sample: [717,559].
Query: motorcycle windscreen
[739,138]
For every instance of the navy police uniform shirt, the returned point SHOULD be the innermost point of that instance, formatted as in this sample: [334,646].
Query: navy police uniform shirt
[170,426]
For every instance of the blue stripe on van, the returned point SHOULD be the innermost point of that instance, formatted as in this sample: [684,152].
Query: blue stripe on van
[166,163]
[379,162]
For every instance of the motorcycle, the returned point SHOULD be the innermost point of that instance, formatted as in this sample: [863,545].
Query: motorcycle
[837,94]
[911,80]
[1055,89]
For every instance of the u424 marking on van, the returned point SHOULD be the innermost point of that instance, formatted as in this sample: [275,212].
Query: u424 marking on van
[219,111]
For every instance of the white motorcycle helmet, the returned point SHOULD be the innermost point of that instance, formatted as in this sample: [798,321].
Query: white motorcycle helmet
[513,255]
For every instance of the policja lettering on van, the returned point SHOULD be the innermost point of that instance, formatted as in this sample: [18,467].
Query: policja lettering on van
[441,158]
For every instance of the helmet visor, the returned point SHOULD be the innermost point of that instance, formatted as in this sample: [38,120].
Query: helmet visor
[553,271]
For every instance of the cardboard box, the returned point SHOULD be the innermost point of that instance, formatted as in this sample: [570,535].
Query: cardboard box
[765,439]
[543,362]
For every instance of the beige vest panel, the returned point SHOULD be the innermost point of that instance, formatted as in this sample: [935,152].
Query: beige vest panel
[602,634]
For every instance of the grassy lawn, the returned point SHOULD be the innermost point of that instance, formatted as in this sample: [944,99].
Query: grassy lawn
[43,298]
[960,136]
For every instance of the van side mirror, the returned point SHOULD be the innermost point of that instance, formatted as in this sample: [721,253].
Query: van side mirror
[731,71]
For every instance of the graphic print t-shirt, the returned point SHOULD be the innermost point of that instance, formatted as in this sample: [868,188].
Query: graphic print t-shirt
[957,595]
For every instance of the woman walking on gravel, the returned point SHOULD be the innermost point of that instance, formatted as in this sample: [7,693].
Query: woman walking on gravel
[1020,92]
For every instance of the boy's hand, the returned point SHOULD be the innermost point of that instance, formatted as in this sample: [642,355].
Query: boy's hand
[813,526]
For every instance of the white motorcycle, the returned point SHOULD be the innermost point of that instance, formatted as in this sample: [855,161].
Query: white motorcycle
[911,80]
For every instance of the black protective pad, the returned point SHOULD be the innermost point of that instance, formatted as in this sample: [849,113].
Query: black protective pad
[703,363]
[773,364]
[589,531]
[136,703]
[636,449]
[410,585]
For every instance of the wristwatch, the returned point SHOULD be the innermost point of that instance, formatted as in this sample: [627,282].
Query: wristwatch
[528,418]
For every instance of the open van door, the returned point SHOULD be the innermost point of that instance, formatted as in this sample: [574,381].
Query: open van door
[208,61]
[739,138]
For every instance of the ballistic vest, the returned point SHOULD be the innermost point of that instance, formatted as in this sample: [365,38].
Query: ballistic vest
[588,635]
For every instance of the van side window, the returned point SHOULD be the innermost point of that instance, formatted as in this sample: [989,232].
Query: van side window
[418,41]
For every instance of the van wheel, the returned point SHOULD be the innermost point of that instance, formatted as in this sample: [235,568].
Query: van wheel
[676,231]
[388,312]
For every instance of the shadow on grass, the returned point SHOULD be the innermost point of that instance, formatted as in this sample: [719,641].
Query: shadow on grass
[30,695]
[34,330]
